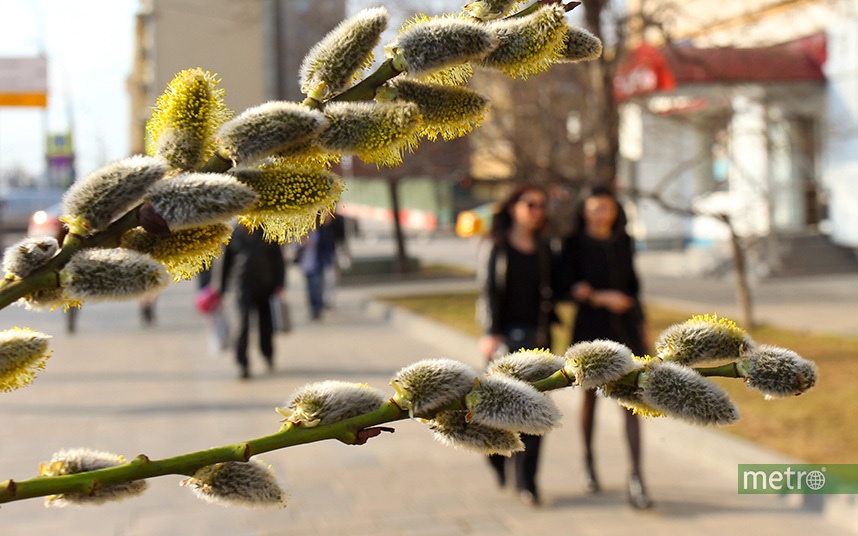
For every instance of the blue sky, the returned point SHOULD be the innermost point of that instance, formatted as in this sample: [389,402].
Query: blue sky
[89,47]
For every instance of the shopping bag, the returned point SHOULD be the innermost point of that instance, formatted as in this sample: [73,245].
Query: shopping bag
[218,336]
[280,318]
[207,299]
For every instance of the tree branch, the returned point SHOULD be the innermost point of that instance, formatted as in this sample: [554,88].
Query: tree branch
[353,431]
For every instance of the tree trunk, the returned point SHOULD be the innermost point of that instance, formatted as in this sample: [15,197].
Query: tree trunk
[743,290]
[401,256]
[605,112]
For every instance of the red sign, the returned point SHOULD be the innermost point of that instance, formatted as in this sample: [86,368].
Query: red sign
[644,71]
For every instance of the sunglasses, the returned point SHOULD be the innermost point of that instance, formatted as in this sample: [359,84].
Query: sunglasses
[533,206]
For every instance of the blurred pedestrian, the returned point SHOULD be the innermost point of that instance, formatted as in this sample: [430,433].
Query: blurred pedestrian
[255,270]
[342,258]
[315,255]
[516,305]
[599,272]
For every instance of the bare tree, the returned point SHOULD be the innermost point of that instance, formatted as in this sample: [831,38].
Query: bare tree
[738,247]
[533,129]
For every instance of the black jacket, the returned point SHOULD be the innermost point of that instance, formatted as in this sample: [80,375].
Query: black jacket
[252,266]
[496,283]
[605,265]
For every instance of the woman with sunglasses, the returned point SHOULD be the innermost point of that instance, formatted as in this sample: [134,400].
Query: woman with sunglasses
[516,304]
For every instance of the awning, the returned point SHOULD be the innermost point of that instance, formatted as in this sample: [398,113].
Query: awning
[648,69]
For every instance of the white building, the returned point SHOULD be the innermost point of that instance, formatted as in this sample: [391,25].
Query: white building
[765,134]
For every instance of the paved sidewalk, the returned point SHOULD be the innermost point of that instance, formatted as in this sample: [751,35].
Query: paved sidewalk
[817,304]
[115,386]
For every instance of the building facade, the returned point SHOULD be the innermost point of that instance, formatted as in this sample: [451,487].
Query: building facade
[254,46]
[750,109]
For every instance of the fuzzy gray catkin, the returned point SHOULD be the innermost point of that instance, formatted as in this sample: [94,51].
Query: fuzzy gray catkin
[112,274]
[248,484]
[110,191]
[681,392]
[266,129]
[596,363]
[629,397]
[290,197]
[581,45]
[527,45]
[510,404]
[185,119]
[450,111]
[333,61]
[427,385]
[196,199]
[527,365]
[74,461]
[375,132]
[28,255]
[452,429]
[23,353]
[702,339]
[330,401]
[184,253]
[434,44]
[48,298]
[489,9]
[778,372]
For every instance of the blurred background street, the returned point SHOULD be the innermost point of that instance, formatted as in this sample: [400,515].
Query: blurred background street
[728,131]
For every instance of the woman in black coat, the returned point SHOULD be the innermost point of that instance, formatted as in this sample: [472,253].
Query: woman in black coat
[516,304]
[255,270]
[599,271]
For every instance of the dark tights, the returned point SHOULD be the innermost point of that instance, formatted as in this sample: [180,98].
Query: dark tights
[633,433]
[525,464]
[262,307]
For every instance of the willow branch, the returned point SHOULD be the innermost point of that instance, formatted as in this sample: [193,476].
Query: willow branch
[47,276]
[536,5]
[366,88]
[354,431]
[217,164]
[363,90]
[347,431]
[730,370]
[560,379]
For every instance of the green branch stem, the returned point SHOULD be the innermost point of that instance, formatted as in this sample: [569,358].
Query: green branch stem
[217,164]
[141,467]
[560,379]
[730,370]
[351,431]
[536,5]
[366,88]
[47,276]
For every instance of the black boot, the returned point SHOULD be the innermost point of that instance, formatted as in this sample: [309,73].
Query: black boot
[591,483]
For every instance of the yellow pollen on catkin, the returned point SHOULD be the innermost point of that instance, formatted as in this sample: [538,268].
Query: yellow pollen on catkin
[529,45]
[290,198]
[375,132]
[185,253]
[455,75]
[642,410]
[721,323]
[187,115]
[447,111]
[23,353]
[535,352]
